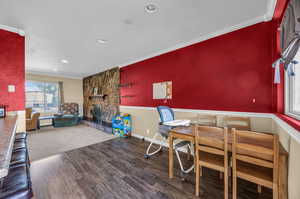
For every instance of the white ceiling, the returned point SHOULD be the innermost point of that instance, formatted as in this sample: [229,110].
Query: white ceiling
[68,29]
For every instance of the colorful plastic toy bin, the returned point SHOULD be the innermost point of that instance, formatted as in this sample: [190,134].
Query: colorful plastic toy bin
[121,125]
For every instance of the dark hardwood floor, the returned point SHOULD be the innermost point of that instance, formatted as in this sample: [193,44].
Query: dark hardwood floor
[117,169]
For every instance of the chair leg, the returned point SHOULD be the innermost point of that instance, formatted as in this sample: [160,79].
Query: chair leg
[234,184]
[197,174]
[275,191]
[225,184]
[259,189]
[200,168]
[220,175]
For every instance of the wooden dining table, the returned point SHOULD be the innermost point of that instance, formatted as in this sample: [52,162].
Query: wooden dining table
[187,134]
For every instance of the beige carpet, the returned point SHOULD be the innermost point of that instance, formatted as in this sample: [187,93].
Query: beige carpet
[50,141]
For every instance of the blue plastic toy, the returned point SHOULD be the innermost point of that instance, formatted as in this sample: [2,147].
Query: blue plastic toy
[121,125]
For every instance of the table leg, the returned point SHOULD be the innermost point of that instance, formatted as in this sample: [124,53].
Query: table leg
[171,160]
[283,177]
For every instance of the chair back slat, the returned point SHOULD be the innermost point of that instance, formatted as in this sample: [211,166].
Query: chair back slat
[256,161]
[255,138]
[255,151]
[210,136]
[207,120]
[239,123]
[211,150]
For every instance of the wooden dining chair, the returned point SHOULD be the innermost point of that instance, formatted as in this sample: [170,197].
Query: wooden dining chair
[203,120]
[253,160]
[239,123]
[211,152]
[207,120]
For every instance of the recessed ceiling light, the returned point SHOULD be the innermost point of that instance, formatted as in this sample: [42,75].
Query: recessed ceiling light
[64,61]
[54,69]
[101,41]
[151,8]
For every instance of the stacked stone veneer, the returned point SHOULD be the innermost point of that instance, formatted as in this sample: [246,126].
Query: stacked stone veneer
[107,83]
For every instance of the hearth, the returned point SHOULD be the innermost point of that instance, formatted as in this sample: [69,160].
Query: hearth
[101,116]
[105,127]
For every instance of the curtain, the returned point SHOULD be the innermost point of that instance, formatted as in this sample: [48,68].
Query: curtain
[61,92]
[287,27]
[290,40]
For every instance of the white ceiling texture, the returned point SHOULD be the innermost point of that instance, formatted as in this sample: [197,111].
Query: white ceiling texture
[59,30]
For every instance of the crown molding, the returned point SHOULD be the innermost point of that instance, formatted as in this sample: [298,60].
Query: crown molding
[13,29]
[197,40]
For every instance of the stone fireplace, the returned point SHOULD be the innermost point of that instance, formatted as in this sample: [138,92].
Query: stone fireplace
[101,98]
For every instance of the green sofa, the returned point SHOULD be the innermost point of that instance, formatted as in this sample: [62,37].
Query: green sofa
[66,120]
[68,115]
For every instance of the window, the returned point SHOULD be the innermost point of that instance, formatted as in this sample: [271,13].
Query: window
[293,91]
[42,96]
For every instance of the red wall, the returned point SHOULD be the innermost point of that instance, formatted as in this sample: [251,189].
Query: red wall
[223,73]
[278,89]
[12,69]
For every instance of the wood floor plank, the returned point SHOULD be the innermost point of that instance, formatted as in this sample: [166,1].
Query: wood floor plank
[116,169]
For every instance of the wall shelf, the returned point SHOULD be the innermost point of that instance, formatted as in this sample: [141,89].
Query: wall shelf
[97,96]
